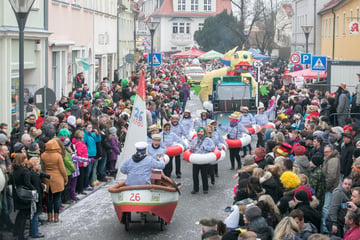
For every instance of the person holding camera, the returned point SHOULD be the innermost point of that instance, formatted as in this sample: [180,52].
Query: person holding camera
[335,220]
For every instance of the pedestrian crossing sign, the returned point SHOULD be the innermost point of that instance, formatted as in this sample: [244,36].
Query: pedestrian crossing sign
[318,63]
[155,59]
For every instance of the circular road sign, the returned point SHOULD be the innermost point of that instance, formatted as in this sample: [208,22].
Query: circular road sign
[40,99]
[297,67]
[130,58]
[295,58]
[258,64]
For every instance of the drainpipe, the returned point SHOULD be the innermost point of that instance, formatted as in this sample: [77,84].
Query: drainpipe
[333,45]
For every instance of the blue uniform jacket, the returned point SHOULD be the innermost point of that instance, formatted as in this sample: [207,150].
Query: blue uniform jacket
[139,173]
[206,146]
[247,119]
[188,124]
[170,139]
[263,119]
[153,152]
[201,123]
[234,130]
[218,139]
[179,130]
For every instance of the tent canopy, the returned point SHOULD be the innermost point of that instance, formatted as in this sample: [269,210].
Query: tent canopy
[258,56]
[192,53]
[211,55]
[307,74]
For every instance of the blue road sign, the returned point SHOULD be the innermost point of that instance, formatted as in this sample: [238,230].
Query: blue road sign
[306,58]
[156,59]
[318,63]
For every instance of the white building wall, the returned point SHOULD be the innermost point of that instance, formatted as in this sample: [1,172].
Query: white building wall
[304,15]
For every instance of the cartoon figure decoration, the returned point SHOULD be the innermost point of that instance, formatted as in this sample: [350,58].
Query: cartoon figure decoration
[237,63]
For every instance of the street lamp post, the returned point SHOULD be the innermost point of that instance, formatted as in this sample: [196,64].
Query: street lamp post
[152,28]
[21,9]
[307,31]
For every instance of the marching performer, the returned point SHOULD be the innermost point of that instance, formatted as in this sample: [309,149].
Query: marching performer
[201,144]
[235,131]
[218,140]
[187,122]
[246,119]
[203,121]
[170,139]
[155,149]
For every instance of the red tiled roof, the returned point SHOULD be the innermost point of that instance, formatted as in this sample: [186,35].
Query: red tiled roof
[330,5]
[166,8]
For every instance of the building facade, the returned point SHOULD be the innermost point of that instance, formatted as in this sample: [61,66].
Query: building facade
[305,13]
[35,53]
[180,19]
[340,36]
[71,42]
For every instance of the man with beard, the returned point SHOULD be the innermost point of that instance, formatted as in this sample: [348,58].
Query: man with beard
[138,168]
[201,145]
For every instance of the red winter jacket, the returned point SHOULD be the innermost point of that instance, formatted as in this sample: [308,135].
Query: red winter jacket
[81,150]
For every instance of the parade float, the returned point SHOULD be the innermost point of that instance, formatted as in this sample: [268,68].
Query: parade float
[155,202]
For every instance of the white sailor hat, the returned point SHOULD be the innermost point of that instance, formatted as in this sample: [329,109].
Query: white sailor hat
[141,145]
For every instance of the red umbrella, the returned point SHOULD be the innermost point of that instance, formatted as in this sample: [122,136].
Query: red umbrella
[192,53]
[306,73]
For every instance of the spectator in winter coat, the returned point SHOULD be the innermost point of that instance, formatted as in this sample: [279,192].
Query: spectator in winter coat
[287,229]
[343,104]
[335,220]
[115,150]
[302,199]
[352,220]
[306,229]
[346,154]
[256,223]
[301,160]
[81,151]
[76,109]
[317,178]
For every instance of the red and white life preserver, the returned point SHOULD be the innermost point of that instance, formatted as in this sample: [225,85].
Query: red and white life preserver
[237,143]
[255,128]
[202,158]
[223,153]
[166,159]
[175,150]
[269,125]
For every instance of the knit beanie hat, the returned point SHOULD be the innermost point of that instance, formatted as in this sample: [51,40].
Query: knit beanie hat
[298,150]
[302,194]
[18,146]
[252,212]
[66,141]
[112,130]
[290,180]
[72,121]
[248,160]
[260,152]
[3,138]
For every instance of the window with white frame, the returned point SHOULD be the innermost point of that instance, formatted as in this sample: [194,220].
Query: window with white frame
[187,28]
[207,5]
[201,26]
[181,5]
[351,16]
[330,24]
[337,26]
[175,28]
[326,25]
[357,14]
[194,5]
[76,2]
[182,28]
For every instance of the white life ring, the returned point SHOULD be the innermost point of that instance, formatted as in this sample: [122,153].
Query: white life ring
[240,142]
[2,180]
[255,128]
[166,159]
[202,158]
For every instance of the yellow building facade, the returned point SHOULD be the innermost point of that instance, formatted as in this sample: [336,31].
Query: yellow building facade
[340,37]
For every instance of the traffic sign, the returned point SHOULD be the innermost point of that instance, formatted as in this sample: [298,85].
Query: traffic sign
[155,58]
[297,67]
[130,58]
[258,64]
[318,63]
[295,58]
[306,58]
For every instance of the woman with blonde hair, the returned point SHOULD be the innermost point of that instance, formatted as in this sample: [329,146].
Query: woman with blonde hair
[269,210]
[258,172]
[287,229]
[279,137]
[269,200]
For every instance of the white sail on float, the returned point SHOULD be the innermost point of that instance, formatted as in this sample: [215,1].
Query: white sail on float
[137,127]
